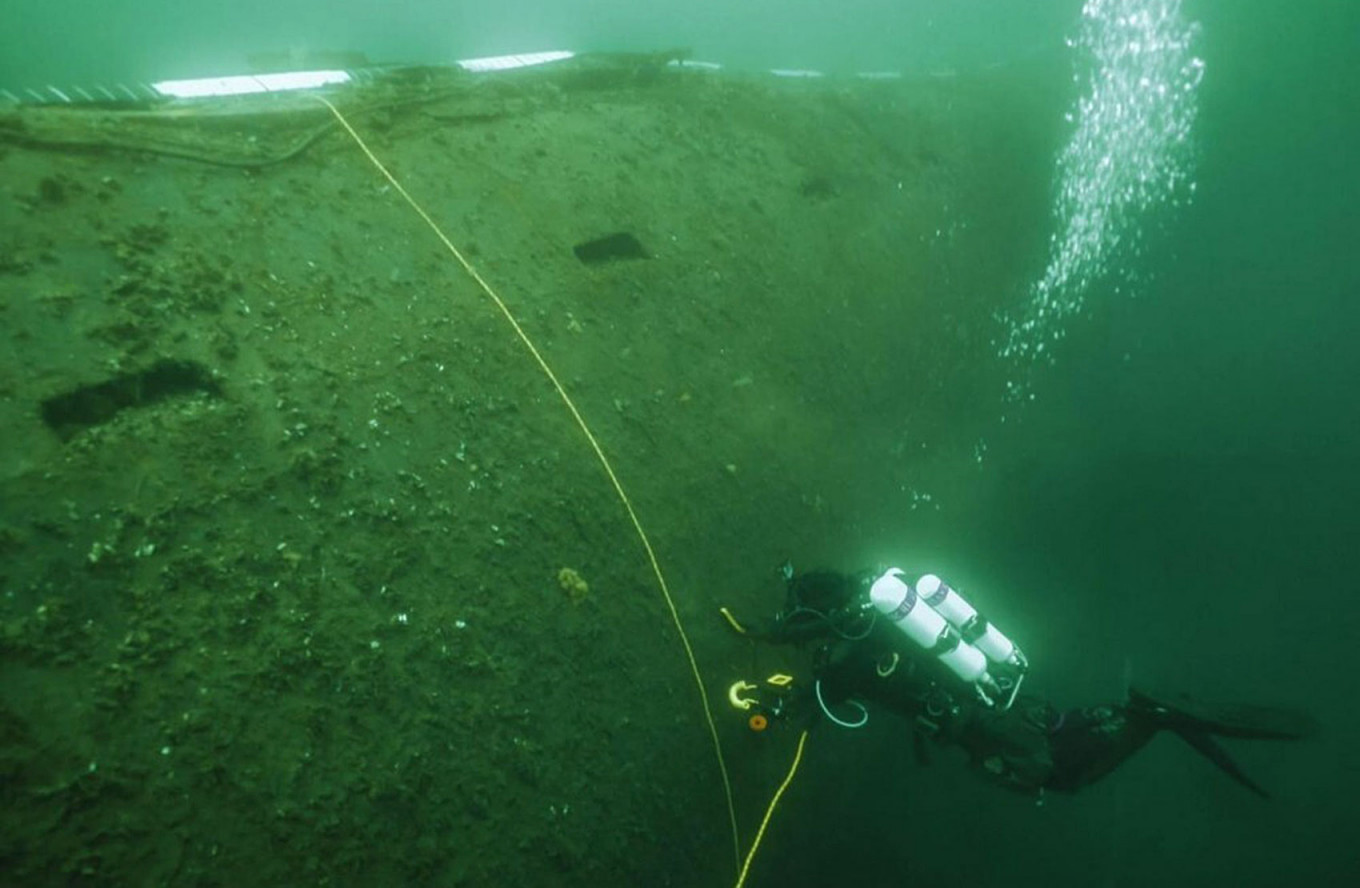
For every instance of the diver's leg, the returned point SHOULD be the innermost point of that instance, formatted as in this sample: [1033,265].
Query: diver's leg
[1089,743]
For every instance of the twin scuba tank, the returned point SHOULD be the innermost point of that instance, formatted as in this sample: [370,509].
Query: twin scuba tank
[938,619]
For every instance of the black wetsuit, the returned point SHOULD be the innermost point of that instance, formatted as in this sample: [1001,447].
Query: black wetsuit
[1029,746]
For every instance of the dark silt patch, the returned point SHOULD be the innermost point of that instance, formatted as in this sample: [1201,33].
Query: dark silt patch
[83,407]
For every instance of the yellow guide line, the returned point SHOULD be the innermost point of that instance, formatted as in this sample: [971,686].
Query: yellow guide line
[769,811]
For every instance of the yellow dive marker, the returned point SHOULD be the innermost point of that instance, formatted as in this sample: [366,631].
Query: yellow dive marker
[734,695]
[731,620]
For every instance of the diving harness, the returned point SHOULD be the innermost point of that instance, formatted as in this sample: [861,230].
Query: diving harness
[939,622]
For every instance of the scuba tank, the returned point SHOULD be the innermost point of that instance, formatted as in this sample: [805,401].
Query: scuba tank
[941,622]
[971,625]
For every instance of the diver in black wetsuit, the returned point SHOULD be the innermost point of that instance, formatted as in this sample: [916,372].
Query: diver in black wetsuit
[957,695]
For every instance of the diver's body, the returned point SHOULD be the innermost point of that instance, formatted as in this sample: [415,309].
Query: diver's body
[1027,744]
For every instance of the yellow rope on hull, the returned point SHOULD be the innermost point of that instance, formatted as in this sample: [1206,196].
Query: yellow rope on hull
[594,444]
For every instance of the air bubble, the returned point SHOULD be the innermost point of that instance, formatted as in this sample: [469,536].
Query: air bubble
[1130,152]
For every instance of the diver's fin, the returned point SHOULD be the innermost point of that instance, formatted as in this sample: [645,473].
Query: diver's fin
[1206,746]
[1183,714]
[1197,723]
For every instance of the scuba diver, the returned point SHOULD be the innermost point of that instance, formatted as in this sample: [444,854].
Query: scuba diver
[923,651]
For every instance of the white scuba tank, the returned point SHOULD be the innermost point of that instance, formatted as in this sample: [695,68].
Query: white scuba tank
[974,627]
[901,606]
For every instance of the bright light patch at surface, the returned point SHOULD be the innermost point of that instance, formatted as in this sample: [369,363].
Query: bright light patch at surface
[244,85]
[1130,151]
[504,63]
